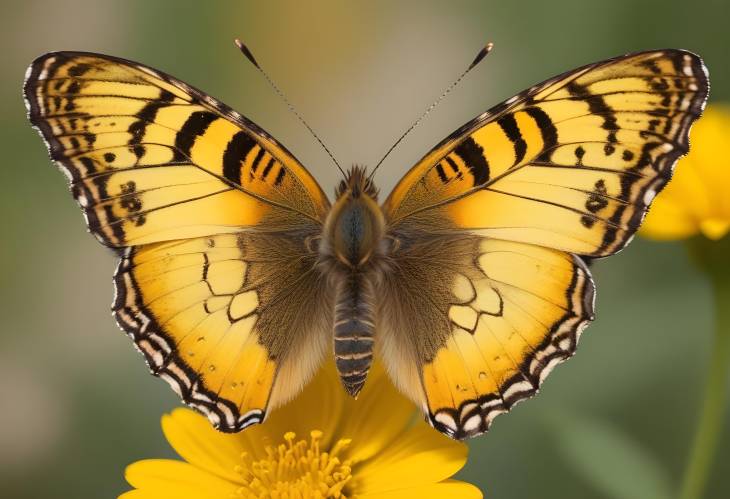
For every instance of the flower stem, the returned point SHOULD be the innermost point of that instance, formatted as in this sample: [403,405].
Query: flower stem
[709,426]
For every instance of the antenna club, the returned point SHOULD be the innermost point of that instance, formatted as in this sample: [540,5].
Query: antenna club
[244,50]
[481,55]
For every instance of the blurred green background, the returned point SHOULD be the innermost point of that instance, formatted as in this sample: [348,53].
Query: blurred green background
[77,402]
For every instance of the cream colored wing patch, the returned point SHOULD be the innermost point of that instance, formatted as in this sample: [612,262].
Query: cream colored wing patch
[509,328]
[214,317]
[471,325]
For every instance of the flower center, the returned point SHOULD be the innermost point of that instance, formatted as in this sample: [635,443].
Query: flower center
[296,470]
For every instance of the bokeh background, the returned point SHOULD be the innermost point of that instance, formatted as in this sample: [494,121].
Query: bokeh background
[77,402]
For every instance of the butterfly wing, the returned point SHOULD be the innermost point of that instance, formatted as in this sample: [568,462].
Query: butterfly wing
[211,217]
[235,323]
[502,315]
[568,167]
[571,163]
[150,158]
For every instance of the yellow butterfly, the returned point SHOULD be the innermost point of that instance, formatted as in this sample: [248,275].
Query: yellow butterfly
[237,274]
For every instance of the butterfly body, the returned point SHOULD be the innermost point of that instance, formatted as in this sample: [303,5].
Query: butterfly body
[351,252]
[355,226]
[238,276]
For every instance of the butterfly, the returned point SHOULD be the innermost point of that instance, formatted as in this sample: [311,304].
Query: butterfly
[238,276]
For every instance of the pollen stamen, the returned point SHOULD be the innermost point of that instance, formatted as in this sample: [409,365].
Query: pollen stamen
[296,469]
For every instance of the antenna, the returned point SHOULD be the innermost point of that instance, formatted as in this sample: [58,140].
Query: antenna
[244,50]
[481,55]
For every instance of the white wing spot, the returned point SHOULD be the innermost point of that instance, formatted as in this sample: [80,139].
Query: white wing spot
[446,420]
[472,423]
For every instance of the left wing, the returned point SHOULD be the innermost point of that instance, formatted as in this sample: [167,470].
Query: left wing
[235,323]
[210,214]
[150,158]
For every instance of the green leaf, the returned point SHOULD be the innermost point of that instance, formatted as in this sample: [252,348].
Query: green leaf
[608,459]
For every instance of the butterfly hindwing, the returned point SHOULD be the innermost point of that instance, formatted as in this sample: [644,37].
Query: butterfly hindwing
[144,151]
[572,163]
[527,311]
[211,216]
[490,291]
[235,323]
[475,324]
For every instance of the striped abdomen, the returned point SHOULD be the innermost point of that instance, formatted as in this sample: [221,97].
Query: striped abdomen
[354,330]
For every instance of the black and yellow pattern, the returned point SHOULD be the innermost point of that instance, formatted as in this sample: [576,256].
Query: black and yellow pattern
[571,163]
[144,151]
[568,167]
[195,198]
[510,323]
[237,274]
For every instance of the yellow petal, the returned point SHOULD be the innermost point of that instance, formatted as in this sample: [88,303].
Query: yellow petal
[710,149]
[379,415]
[687,188]
[715,228]
[165,478]
[449,489]
[697,199]
[419,457]
[196,441]
[669,220]
[318,407]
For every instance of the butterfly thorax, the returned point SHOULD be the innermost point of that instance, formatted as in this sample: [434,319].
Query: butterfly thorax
[352,245]
[355,224]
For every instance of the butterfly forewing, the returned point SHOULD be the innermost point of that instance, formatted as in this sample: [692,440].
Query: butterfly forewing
[144,151]
[572,163]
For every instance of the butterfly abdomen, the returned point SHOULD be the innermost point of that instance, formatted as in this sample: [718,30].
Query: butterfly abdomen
[354,330]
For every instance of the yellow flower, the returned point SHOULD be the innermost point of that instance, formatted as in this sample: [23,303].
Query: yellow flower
[323,444]
[697,200]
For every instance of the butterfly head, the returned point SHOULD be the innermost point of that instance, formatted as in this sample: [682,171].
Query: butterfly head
[355,224]
[356,183]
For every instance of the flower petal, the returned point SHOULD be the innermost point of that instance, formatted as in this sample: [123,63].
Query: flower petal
[452,489]
[696,200]
[376,418]
[166,478]
[403,463]
[198,443]
[710,150]
[669,220]
[318,407]
[715,228]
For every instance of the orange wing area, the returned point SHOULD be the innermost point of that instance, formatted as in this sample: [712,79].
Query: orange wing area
[572,163]
[214,316]
[149,158]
